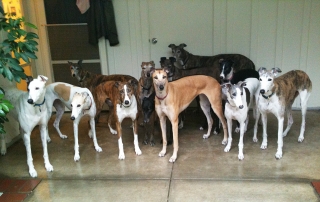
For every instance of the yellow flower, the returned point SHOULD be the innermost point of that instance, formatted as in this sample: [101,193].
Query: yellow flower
[21,39]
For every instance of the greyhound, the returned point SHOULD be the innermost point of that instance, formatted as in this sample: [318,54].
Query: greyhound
[240,97]
[80,101]
[30,109]
[277,96]
[171,99]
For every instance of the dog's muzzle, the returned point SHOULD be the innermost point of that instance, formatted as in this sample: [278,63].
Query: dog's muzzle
[161,87]
[73,75]
[30,101]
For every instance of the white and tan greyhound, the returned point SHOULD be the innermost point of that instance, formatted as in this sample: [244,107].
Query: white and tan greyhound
[240,97]
[172,98]
[80,101]
[277,96]
[30,110]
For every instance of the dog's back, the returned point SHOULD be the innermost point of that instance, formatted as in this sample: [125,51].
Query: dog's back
[288,85]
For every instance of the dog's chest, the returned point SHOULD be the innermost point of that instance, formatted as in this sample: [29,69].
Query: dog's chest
[269,105]
[127,112]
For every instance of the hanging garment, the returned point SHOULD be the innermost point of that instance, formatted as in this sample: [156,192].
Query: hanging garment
[83,5]
[101,22]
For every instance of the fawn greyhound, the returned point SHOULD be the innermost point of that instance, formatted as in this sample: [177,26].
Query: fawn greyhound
[171,99]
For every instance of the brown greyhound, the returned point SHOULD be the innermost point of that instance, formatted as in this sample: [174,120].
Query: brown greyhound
[172,98]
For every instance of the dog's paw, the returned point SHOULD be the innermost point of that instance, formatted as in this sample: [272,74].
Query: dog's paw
[138,151]
[224,142]
[162,153]
[114,132]
[180,126]
[121,156]
[227,148]
[152,143]
[98,149]
[172,159]
[300,139]
[145,142]
[3,151]
[48,139]
[264,145]
[49,167]
[206,136]
[278,155]
[33,172]
[62,136]
[201,128]
[76,157]
[240,157]
[255,139]
[237,130]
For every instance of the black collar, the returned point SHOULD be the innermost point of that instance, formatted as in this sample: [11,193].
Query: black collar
[267,97]
[39,105]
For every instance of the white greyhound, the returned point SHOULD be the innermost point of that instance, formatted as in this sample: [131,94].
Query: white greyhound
[277,96]
[240,97]
[80,101]
[30,109]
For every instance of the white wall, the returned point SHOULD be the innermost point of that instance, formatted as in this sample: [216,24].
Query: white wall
[281,33]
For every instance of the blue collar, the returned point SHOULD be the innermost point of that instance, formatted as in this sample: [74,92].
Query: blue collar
[39,105]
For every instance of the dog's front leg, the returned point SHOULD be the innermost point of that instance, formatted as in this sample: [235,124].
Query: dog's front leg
[3,144]
[240,145]
[228,147]
[174,124]
[135,134]
[255,130]
[44,134]
[93,134]
[120,143]
[163,126]
[76,141]
[280,137]
[26,140]
[264,143]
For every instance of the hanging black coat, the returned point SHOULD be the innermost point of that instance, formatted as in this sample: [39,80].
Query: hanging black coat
[101,22]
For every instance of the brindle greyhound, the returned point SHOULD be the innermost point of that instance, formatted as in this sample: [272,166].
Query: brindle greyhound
[91,80]
[146,96]
[171,99]
[277,97]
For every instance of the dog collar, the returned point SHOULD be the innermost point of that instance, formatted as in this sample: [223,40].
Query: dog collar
[267,97]
[162,97]
[39,105]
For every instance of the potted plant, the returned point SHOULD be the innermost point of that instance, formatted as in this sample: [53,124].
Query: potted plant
[18,45]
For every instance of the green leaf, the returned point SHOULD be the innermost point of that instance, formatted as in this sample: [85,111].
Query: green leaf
[31,55]
[30,25]
[24,57]
[32,35]
[7,73]
[2,113]
[5,108]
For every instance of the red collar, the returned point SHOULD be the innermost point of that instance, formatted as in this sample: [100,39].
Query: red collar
[162,97]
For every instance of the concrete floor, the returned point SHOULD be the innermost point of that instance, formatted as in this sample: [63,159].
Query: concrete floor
[202,172]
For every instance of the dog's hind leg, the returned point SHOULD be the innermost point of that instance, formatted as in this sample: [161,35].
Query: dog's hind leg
[27,144]
[205,106]
[290,120]
[93,135]
[304,96]
[135,136]
[59,112]
[44,133]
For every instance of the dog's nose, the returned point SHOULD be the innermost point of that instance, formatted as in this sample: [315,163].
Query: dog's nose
[72,118]
[30,101]
[146,120]
[126,102]
[148,74]
[73,75]
[262,91]
[221,77]
[241,106]
[161,87]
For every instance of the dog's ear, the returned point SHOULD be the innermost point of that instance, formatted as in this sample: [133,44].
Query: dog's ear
[172,46]
[85,95]
[183,45]
[116,84]
[226,85]
[133,83]
[29,79]
[242,83]
[143,64]
[166,69]
[162,59]
[262,70]
[152,70]
[172,59]
[275,71]
[70,63]
[42,78]
[221,60]
[152,63]
[80,63]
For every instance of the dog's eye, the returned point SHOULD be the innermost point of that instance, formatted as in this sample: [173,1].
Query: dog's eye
[71,105]
[37,88]
[164,77]
[78,105]
[234,94]
[260,79]
[156,77]
[178,51]
[269,79]
[241,93]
